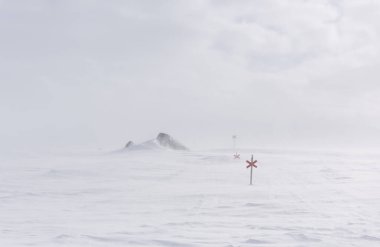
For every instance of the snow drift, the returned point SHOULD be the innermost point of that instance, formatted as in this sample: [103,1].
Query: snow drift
[193,199]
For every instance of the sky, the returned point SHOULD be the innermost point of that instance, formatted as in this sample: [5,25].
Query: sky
[277,73]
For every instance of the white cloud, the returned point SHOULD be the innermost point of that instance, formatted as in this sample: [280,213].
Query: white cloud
[276,71]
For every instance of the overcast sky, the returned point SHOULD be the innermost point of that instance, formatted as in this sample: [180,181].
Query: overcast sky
[274,72]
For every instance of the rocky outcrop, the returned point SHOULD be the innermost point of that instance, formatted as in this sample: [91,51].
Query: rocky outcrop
[166,140]
[129,144]
[162,141]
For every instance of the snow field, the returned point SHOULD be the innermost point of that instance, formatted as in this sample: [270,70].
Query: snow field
[166,198]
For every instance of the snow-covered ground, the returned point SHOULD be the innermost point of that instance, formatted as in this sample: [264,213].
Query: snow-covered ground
[167,198]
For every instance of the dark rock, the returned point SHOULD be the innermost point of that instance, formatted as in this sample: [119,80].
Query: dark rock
[129,144]
[166,140]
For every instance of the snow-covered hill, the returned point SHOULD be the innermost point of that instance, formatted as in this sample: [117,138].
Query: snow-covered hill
[190,199]
[162,141]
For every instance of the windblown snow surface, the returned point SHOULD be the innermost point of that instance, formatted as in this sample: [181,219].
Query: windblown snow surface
[167,198]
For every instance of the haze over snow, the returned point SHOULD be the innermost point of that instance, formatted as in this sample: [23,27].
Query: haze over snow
[273,72]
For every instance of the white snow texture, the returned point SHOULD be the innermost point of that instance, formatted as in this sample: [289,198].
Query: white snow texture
[171,198]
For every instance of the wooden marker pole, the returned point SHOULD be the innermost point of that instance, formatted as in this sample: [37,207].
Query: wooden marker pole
[234,142]
[251,164]
[250,182]
[236,155]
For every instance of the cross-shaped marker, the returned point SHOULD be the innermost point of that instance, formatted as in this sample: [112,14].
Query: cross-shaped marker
[251,164]
[237,156]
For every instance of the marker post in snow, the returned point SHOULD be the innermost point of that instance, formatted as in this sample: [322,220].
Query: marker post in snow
[234,141]
[236,155]
[251,164]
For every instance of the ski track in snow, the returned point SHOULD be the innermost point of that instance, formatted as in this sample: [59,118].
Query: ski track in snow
[190,199]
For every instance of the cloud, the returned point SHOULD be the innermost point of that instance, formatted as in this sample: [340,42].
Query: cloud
[273,71]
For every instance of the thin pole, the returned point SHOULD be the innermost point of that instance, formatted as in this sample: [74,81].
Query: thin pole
[251,169]
[234,142]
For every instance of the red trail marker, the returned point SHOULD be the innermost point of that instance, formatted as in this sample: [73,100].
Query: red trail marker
[236,156]
[251,164]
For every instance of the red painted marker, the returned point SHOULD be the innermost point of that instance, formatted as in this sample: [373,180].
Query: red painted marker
[251,164]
